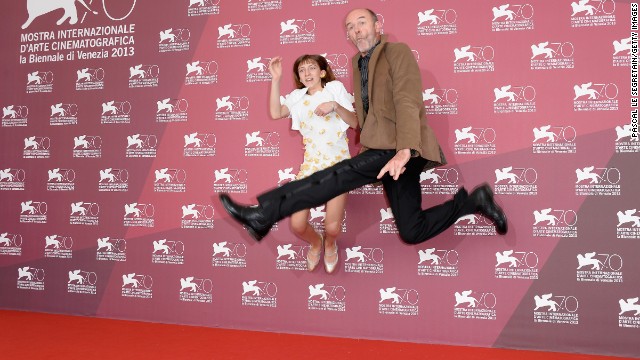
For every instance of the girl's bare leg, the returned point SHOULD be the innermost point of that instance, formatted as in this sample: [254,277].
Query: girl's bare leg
[332,229]
[300,227]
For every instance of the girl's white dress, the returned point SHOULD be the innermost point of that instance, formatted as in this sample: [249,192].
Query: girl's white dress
[324,137]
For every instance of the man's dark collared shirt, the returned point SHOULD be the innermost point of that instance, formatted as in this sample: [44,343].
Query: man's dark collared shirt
[363,66]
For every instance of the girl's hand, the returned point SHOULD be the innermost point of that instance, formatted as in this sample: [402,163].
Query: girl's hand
[325,108]
[275,67]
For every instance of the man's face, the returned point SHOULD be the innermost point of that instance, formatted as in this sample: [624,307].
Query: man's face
[362,30]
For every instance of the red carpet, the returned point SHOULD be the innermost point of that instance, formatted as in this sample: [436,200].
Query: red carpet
[28,335]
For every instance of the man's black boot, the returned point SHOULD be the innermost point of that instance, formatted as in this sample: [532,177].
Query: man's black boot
[485,205]
[249,216]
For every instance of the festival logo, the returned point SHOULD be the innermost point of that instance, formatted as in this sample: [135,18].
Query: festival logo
[194,289]
[230,180]
[263,5]
[232,108]
[473,58]
[317,216]
[285,176]
[628,226]
[144,75]
[416,55]
[201,73]
[381,21]
[234,36]
[622,52]
[111,249]
[369,189]
[115,112]
[61,179]
[172,110]
[475,141]
[514,99]
[90,43]
[10,244]
[30,278]
[259,293]
[558,223]
[37,147]
[440,101]
[200,145]
[437,22]
[82,282]
[475,305]
[170,180]
[364,260]
[292,257]
[554,139]
[552,55]
[87,146]
[197,216]
[595,97]
[474,225]
[257,69]
[72,11]
[591,180]
[136,214]
[12,179]
[90,79]
[33,212]
[39,82]
[297,31]
[58,246]
[14,115]
[328,2]
[556,309]
[84,213]
[113,180]
[339,63]
[512,180]
[627,139]
[438,262]
[327,297]
[629,315]
[439,181]
[602,268]
[230,255]
[521,265]
[512,17]
[387,222]
[173,40]
[397,301]
[141,146]
[137,286]
[63,114]
[168,252]
[585,13]
[262,143]
[203,7]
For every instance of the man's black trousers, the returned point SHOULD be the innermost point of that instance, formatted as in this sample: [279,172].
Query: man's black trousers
[415,225]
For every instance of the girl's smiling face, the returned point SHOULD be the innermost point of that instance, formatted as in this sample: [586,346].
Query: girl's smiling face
[310,75]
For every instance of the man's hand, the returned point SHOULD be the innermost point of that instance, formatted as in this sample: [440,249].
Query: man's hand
[395,166]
